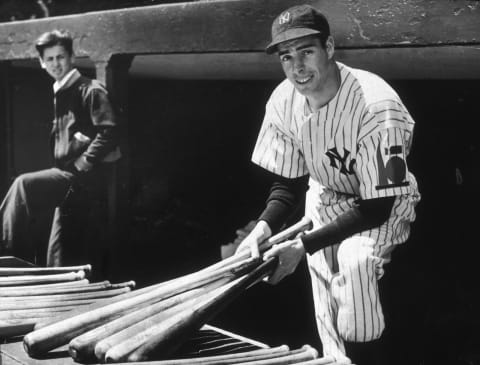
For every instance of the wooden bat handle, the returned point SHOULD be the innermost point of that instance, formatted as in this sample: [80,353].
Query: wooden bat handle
[33,304]
[227,359]
[41,279]
[67,284]
[18,291]
[302,225]
[12,271]
[107,293]
[306,353]
[98,304]
[327,360]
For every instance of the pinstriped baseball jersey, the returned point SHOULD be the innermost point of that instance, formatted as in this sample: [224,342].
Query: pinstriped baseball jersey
[354,146]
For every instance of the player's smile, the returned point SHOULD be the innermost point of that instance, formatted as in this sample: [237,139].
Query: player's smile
[303,80]
[309,66]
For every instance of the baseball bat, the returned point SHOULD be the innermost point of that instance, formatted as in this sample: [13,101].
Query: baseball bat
[73,296]
[228,359]
[67,284]
[182,283]
[306,353]
[95,287]
[60,333]
[31,290]
[121,344]
[139,330]
[29,313]
[18,327]
[13,271]
[301,226]
[82,348]
[32,304]
[169,334]
[100,302]
[41,279]
[327,360]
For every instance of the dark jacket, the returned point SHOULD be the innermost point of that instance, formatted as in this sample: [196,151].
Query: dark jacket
[84,127]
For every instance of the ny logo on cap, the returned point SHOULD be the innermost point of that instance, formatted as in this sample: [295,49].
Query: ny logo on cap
[284,18]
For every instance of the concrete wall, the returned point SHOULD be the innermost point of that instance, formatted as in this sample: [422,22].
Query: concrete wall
[437,36]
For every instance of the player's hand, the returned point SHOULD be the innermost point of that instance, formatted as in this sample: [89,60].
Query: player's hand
[289,254]
[259,233]
[243,232]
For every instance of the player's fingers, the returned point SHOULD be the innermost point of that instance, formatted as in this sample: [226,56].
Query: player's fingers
[241,232]
[276,276]
[237,241]
[276,250]
[270,253]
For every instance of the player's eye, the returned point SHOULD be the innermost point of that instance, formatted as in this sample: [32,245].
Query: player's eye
[285,57]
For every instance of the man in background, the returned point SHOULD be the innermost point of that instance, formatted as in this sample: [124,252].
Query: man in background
[84,148]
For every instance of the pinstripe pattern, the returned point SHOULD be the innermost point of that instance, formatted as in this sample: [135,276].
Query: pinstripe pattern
[355,146]
[340,146]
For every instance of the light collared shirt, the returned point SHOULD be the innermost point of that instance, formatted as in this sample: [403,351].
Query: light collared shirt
[67,80]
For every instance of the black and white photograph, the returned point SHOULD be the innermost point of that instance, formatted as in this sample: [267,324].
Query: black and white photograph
[252,182]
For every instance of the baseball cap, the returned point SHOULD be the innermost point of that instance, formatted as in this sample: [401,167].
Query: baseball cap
[296,22]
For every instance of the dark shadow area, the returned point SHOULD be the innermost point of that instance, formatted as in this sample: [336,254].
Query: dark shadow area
[192,185]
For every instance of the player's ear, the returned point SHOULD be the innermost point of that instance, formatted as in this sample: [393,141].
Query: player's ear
[330,47]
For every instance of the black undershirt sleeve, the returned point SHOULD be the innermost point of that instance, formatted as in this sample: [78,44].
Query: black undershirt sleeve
[286,194]
[364,215]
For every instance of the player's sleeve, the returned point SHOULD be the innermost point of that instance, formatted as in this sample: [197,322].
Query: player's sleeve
[275,149]
[383,148]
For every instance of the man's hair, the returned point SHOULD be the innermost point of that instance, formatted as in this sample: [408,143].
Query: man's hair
[54,38]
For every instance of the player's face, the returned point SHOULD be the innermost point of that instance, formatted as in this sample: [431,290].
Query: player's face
[307,64]
[57,61]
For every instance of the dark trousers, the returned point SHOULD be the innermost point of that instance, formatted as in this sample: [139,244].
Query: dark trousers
[75,210]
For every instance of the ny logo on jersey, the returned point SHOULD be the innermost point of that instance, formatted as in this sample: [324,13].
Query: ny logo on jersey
[392,169]
[334,156]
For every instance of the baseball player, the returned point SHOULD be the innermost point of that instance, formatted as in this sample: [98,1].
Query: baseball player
[343,134]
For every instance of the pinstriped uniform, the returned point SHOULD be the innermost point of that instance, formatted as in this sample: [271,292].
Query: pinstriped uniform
[353,147]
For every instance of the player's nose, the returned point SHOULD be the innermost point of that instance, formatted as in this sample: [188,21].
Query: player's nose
[298,65]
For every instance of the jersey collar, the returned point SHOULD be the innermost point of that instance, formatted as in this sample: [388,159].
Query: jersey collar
[67,81]
[307,110]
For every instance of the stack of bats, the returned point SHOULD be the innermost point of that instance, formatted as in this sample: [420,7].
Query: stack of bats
[29,295]
[151,323]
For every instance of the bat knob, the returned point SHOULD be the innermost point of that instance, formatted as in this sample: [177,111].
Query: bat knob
[80,275]
[311,350]
[73,353]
